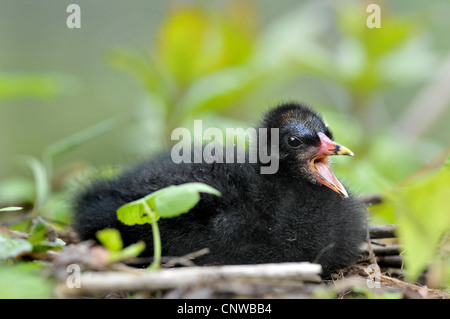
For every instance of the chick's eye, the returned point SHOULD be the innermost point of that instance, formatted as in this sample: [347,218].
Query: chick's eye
[294,141]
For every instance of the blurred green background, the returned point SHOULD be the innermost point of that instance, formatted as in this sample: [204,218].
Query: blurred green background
[228,59]
[383,91]
[111,92]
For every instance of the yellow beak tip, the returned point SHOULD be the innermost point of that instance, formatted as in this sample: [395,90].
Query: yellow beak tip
[345,151]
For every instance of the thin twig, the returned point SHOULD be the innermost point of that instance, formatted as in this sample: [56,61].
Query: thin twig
[164,279]
[382,231]
[186,260]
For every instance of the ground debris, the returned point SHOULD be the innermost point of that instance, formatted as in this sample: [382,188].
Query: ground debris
[223,280]
[371,277]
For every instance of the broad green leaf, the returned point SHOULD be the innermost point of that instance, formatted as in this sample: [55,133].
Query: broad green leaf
[38,230]
[137,212]
[167,202]
[110,238]
[423,218]
[45,245]
[11,247]
[38,236]
[177,200]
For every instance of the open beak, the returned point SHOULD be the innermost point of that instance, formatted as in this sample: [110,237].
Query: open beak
[321,168]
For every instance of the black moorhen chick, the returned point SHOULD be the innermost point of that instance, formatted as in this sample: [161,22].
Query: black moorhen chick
[300,213]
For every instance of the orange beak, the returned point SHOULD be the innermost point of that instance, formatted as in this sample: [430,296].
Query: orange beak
[321,168]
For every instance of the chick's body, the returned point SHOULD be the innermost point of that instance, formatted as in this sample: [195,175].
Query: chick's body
[260,218]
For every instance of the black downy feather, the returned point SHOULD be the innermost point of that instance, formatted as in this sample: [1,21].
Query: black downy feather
[260,218]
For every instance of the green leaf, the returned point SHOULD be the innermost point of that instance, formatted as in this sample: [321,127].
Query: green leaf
[45,245]
[38,236]
[423,218]
[38,231]
[180,199]
[219,90]
[110,238]
[24,85]
[176,202]
[10,209]
[11,247]
[167,202]
[137,212]
[128,252]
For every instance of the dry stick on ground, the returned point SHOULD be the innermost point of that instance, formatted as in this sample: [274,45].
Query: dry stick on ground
[387,250]
[186,260]
[382,231]
[387,255]
[391,284]
[168,262]
[165,279]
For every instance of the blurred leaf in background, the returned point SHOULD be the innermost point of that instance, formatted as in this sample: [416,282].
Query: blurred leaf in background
[23,281]
[35,85]
[200,63]
[193,42]
[11,246]
[420,208]
[423,218]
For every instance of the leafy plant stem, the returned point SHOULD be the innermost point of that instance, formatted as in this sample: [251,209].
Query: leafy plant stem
[156,241]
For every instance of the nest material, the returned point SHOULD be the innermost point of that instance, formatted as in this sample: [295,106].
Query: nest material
[379,273]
